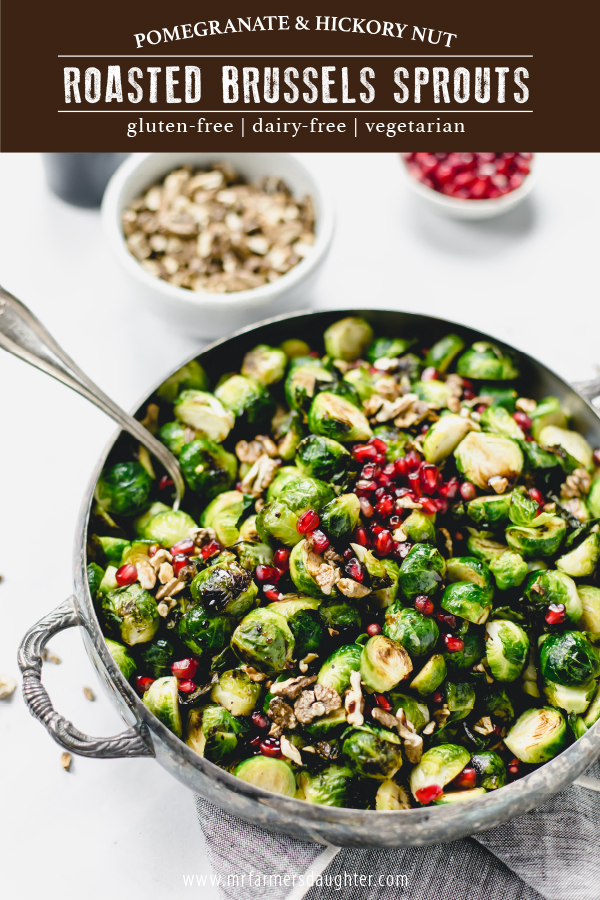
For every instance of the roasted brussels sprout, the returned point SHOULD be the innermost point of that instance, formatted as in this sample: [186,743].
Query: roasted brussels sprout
[490,511]
[509,570]
[486,362]
[168,527]
[547,412]
[174,436]
[497,420]
[490,768]
[208,468]
[225,514]
[323,458]
[236,692]
[331,787]
[419,529]
[264,639]
[335,417]
[270,774]
[157,657]
[303,382]
[538,735]
[202,633]
[162,699]
[460,699]
[288,432]
[391,795]
[282,478]
[252,554]
[372,752]
[430,676]
[108,582]
[482,456]
[470,568]
[524,510]
[95,574]
[246,399]
[205,414]
[417,634]
[465,599]
[276,522]
[226,589]
[472,653]
[574,443]
[384,663]
[445,435]
[341,616]
[569,658]
[265,364]
[583,560]
[122,657]
[114,548]
[306,493]
[590,605]
[222,734]
[544,587]
[506,648]
[437,768]
[189,377]
[348,338]
[533,542]
[573,700]
[294,347]
[132,612]
[483,545]
[336,670]
[388,348]
[123,489]
[443,352]
[302,614]
[435,393]
[422,571]
[341,515]
[362,381]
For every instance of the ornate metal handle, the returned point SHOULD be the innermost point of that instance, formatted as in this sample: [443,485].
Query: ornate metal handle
[23,335]
[129,743]
[590,390]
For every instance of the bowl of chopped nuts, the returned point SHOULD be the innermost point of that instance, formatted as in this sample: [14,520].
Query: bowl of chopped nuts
[211,239]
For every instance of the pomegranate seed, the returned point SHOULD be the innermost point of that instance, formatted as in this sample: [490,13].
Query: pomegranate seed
[401,467]
[380,446]
[320,541]
[259,720]
[447,619]
[255,742]
[481,409]
[366,508]
[522,420]
[440,503]
[390,469]
[272,592]
[537,495]
[380,459]
[179,562]
[281,558]
[153,550]
[364,486]
[270,747]
[424,605]
[142,684]
[394,521]
[513,766]
[428,794]
[210,549]
[373,629]
[347,555]
[414,482]
[384,543]
[186,547]
[308,521]
[184,668]
[468,394]
[267,573]
[450,489]
[382,702]
[596,456]
[355,570]
[467,383]
[364,452]
[384,481]
[429,505]
[187,686]
[497,730]
[453,644]
[401,549]
[468,491]
[413,461]
[376,529]
[556,613]
[127,574]
[361,537]
[430,478]
[430,374]
[385,506]
[380,493]
[437,697]
[165,482]
[369,472]
[466,779]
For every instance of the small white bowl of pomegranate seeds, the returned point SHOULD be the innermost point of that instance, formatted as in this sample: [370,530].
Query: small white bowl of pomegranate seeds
[471,185]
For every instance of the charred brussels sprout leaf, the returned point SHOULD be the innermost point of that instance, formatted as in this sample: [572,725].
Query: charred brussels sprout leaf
[205,414]
[497,703]
[323,458]
[264,639]
[490,768]
[162,699]
[336,670]
[208,468]
[189,377]
[157,657]
[422,571]
[574,443]
[348,338]
[123,489]
[174,436]
[270,774]
[417,634]
[487,362]
[538,735]
[481,456]
[460,699]
[132,612]
[331,787]
[337,418]
[236,692]
[341,515]
[523,510]
[227,589]
[122,657]
[507,649]
[222,733]
[372,753]
[569,659]
[202,633]
[264,364]
[225,514]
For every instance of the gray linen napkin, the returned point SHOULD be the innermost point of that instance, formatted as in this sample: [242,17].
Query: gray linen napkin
[553,852]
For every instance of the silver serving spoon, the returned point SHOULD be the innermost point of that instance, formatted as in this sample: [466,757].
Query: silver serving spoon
[22,334]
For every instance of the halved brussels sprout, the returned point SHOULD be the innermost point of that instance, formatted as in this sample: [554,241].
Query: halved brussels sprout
[362,381]
[472,653]
[541,541]
[331,787]
[574,443]
[465,599]
[524,510]
[108,582]
[325,726]
[497,420]
[569,658]
[293,604]
[470,568]
[348,338]
[208,468]
[506,648]
[490,768]
[123,489]
[443,352]
[337,418]
[276,522]
[140,523]
[459,796]
[189,377]
[162,699]
[225,513]
[302,614]
[384,663]
[226,589]
[554,587]
[341,516]
[419,528]
[590,604]
[385,596]
[132,611]
[113,548]
[174,436]
[94,574]
[301,576]
[593,713]
[236,692]
[435,393]
[491,510]
[205,414]
[431,675]
[390,348]
[264,639]
[445,435]
[264,364]
[282,478]
[252,554]
[391,795]
[593,499]
[222,733]
[483,545]
[122,657]
[168,527]
[485,361]
[460,699]
[247,399]
[341,617]
[482,456]
[157,657]
[372,752]
[294,347]
[323,458]
[270,774]
[583,560]
[306,493]
[416,713]
[547,412]
[336,670]
[288,432]
[303,382]
[538,735]
[572,699]
[438,767]
[202,633]
[418,634]
[509,570]
[422,571]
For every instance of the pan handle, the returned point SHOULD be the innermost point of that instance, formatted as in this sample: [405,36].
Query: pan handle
[589,390]
[129,743]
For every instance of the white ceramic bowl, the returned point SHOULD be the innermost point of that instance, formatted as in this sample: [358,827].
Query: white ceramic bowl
[211,315]
[455,208]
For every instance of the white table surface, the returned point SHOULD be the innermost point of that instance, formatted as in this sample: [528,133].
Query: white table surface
[124,827]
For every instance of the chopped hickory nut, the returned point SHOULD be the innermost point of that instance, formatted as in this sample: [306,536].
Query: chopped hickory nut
[324,574]
[89,694]
[49,656]
[65,761]
[304,663]
[313,704]
[282,716]
[354,702]
[526,405]
[7,686]
[484,726]
[165,573]
[430,727]
[201,536]
[159,558]
[441,715]
[413,742]
[260,475]
[481,668]
[577,484]
[447,540]
[253,674]
[146,574]
[292,687]
[498,483]
[288,749]
[350,588]
[326,750]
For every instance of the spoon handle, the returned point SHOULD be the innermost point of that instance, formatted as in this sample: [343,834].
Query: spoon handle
[23,335]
